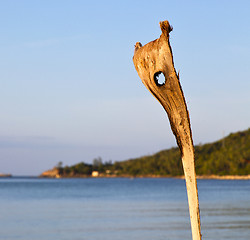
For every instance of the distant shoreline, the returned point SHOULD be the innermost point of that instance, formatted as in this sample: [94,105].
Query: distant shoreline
[225,177]
[217,177]
[55,173]
[200,177]
[5,175]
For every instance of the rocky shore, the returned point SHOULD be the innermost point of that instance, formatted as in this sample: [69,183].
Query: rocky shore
[52,173]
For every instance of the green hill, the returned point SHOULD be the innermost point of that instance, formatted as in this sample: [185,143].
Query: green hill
[228,156]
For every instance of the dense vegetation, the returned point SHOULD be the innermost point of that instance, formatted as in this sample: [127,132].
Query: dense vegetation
[228,156]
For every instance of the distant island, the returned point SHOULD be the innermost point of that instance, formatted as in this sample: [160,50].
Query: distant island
[5,175]
[228,158]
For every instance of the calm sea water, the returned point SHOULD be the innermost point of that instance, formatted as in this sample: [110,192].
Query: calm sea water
[120,209]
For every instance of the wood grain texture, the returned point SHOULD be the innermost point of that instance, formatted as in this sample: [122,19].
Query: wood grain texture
[150,61]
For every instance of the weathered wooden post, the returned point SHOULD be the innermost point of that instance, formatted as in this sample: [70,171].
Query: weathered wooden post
[151,61]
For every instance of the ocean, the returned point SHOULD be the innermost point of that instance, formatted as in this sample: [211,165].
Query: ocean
[120,209]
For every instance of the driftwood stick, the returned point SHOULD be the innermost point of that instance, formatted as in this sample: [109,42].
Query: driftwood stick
[152,61]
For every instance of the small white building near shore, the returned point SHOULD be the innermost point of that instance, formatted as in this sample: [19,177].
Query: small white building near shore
[95,174]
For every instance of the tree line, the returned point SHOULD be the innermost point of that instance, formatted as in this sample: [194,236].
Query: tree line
[228,156]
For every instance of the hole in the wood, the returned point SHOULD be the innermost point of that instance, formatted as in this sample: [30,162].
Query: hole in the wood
[159,78]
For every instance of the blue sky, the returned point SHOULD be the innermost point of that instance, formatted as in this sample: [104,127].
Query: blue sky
[69,90]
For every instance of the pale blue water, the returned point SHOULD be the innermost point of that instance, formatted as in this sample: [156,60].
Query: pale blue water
[120,209]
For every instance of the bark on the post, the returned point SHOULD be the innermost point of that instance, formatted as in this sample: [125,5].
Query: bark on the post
[152,60]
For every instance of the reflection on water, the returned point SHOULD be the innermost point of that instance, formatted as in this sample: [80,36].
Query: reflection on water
[120,209]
